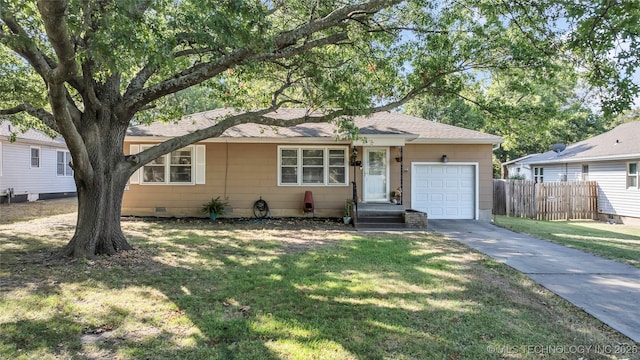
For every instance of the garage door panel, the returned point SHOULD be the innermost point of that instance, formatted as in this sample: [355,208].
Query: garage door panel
[444,191]
[452,197]
[466,184]
[452,184]
[452,171]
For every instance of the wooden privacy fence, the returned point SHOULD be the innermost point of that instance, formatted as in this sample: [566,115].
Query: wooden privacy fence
[546,201]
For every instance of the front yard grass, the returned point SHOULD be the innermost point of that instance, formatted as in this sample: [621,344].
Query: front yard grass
[615,242]
[195,290]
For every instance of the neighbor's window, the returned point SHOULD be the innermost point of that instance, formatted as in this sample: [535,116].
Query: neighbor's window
[585,172]
[306,165]
[35,157]
[173,168]
[64,158]
[538,174]
[632,175]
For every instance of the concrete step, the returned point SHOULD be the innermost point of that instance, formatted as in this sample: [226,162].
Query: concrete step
[380,220]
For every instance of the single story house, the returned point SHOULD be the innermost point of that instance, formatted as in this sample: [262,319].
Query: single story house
[34,166]
[443,170]
[517,168]
[611,159]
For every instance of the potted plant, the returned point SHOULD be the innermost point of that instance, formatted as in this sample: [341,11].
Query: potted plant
[396,196]
[347,211]
[214,207]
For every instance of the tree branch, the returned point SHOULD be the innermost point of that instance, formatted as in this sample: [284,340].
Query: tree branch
[136,96]
[21,43]
[40,113]
[259,117]
[53,16]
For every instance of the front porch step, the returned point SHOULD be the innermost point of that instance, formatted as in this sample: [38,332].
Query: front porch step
[380,216]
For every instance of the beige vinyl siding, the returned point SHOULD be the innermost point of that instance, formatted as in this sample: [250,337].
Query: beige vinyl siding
[466,153]
[240,173]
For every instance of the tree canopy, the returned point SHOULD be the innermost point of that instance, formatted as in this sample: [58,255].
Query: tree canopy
[88,68]
[529,114]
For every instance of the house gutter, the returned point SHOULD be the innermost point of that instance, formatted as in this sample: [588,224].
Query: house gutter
[493,142]
[585,159]
[314,140]
[364,140]
[19,140]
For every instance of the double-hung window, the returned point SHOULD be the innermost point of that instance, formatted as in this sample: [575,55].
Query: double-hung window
[35,157]
[538,174]
[63,160]
[585,172]
[174,168]
[311,165]
[632,175]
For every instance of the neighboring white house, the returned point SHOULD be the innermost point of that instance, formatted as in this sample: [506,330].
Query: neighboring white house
[34,166]
[517,169]
[612,159]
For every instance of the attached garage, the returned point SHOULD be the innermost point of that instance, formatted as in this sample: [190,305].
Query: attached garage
[445,191]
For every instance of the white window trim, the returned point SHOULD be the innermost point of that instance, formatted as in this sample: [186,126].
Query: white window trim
[626,178]
[326,166]
[584,175]
[66,158]
[539,175]
[31,157]
[167,168]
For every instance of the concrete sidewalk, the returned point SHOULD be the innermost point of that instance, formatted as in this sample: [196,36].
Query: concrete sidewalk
[608,290]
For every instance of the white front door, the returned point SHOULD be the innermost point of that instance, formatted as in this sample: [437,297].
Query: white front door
[376,174]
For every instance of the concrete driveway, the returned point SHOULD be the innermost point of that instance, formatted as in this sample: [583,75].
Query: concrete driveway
[608,290]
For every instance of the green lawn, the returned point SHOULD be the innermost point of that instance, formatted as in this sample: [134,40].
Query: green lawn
[214,291]
[616,242]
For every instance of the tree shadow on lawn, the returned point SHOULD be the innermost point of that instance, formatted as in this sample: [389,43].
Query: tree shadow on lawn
[601,242]
[614,244]
[202,294]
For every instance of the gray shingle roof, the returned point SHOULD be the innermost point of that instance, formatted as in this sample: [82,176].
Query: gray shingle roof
[378,124]
[31,135]
[622,142]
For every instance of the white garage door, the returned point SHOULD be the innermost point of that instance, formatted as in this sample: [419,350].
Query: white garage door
[444,191]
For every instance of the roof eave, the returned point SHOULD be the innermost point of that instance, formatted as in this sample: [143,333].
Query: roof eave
[367,140]
[60,144]
[457,141]
[585,159]
[245,140]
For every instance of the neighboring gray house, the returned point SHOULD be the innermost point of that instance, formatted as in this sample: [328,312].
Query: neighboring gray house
[612,159]
[34,166]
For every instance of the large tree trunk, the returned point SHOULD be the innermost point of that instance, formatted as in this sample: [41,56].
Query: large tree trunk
[98,230]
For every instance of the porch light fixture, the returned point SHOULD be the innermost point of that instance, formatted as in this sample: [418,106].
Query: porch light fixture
[445,159]
[399,155]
